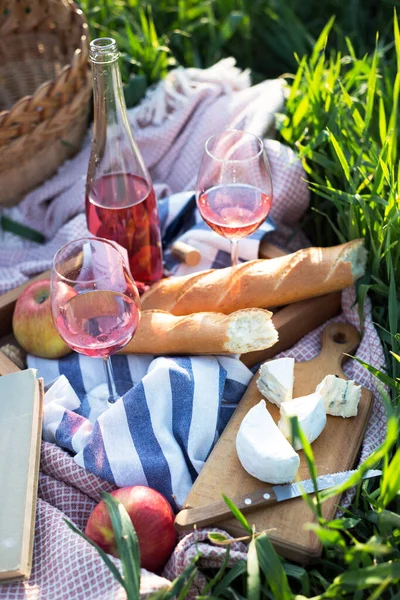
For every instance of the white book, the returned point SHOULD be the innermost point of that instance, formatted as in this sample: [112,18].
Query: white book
[21,409]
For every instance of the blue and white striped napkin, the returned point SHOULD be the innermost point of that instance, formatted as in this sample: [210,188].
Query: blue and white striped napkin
[162,431]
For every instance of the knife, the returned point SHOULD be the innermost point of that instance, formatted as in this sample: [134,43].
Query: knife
[267,496]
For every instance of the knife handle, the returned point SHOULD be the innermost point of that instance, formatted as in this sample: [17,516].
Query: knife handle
[215,512]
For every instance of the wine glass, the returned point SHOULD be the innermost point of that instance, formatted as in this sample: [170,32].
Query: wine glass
[234,185]
[95,302]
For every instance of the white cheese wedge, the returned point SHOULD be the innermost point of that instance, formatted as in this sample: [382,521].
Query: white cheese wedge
[310,411]
[275,381]
[262,448]
[341,396]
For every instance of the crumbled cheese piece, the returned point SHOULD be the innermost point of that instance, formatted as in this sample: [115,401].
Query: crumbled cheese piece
[341,396]
[310,411]
[275,381]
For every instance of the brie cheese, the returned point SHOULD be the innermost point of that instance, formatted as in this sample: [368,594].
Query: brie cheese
[341,396]
[262,448]
[276,380]
[310,411]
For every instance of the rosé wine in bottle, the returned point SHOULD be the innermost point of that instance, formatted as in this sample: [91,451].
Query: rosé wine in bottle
[120,201]
[123,208]
[98,323]
[234,211]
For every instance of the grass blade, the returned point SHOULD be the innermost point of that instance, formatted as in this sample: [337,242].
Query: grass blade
[393,313]
[314,505]
[371,88]
[321,42]
[300,574]
[220,573]
[179,584]
[390,481]
[369,463]
[272,568]
[107,560]
[393,121]
[377,593]
[127,544]
[236,571]
[253,572]
[237,514]
[396,38]
[330,538]
[382,121]
[360,579]
[339,153]
[386,379]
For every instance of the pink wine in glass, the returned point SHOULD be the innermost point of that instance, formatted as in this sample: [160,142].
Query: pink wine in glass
[98,323]
[234,211]
[122,207]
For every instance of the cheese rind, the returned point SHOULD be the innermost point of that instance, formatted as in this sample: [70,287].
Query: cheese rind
[262,448]
[310,411]
[275,381]
[341,396]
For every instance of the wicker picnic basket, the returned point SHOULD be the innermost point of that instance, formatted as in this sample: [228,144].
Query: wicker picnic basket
[45,86]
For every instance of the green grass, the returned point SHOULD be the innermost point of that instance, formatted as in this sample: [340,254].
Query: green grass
[342,117]
[263,35]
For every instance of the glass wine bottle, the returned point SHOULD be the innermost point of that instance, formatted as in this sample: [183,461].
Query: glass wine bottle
[120,200]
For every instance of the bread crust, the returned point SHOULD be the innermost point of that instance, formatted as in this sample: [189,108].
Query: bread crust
[259,283]
[160,332]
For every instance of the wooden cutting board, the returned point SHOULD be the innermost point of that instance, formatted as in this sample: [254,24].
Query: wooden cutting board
[335,450]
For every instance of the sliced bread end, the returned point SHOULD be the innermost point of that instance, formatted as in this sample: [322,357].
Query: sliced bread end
[250,330]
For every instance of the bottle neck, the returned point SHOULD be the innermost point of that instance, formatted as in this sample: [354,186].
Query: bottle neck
[109,101]
[113,147]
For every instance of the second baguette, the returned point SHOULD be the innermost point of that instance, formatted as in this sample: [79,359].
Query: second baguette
[243,331]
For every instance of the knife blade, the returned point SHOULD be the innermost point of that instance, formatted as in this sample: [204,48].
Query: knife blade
[209,514]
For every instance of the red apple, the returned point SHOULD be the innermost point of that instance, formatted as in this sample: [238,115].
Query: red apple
[33,324]
[152,518]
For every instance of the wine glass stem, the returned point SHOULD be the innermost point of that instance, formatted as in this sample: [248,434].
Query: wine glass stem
[234,252]
[112,390]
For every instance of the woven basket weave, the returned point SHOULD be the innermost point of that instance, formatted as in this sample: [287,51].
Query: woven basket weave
[45,86]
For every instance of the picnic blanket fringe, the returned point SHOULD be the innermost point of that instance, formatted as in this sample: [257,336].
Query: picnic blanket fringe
[174,92]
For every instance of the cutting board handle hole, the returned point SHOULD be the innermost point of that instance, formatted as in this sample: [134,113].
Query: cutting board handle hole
[339,338]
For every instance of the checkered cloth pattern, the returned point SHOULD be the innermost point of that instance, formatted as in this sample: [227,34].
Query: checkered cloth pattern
[171,126]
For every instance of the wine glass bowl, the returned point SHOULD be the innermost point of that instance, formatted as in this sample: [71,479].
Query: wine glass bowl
[94,299]
[234,185]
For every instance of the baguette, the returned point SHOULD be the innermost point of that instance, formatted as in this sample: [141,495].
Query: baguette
[261,283]
[160,332]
